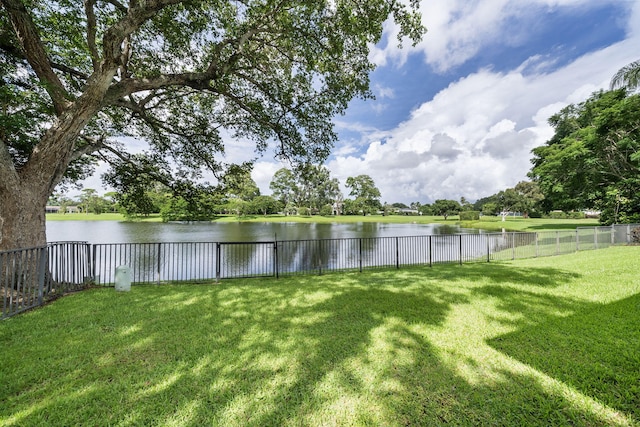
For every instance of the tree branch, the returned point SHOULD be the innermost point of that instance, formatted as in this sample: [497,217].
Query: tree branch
[91,33]
[33,49]
[115,36]
[196,80]
[118,5]
[91,146]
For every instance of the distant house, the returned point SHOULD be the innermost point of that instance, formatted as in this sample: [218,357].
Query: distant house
[405,211]
[56,209]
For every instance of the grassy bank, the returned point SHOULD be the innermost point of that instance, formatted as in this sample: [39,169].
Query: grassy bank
[99,217]
[486,223]
[528,224]
[548,341]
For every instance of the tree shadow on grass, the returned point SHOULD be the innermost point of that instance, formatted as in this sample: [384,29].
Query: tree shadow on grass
[305,351]
[562,226]
[494,273]
[257,356]
[596,351]
[435,394]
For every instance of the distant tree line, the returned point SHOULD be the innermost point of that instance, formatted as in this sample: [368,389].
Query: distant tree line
[592,163]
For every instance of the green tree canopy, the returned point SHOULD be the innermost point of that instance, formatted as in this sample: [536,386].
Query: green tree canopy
[316,187]
[307,185]
[367,195]
[445,207]
[238,183]
[183,75]
[593,159]
[284,186]
[265,205]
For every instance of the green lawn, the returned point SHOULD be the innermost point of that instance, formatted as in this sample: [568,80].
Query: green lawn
[547,341]
[109,216]
[529,224]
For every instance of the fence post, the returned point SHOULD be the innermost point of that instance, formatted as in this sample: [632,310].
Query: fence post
[94,263]
[460,235]
[360,253]
[628,233]
[430,252]
[42,265]
[275,258]
[159,265]
[488,247]
[218,261]
[613,235]
[319,243]
[595,237]
[397,255]
[513,245]
[577,240]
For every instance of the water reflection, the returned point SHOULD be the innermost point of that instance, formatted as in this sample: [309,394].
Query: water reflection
[203,251]
[150,232]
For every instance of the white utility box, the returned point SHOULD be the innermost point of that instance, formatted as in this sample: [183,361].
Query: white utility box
[123,278]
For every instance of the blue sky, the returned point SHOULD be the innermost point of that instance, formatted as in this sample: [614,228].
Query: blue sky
[458,114]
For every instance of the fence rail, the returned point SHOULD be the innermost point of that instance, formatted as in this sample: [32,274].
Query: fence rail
[29,277]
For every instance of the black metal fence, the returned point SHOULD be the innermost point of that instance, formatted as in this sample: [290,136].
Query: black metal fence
[171,262]
[29,277]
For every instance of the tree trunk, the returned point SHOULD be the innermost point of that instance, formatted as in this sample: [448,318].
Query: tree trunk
[22,217]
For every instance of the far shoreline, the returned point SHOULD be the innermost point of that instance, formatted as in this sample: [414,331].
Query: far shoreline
[485,223]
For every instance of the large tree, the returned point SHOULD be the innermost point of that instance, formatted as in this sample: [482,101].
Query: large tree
[284,187]
[593,159]
[309,186]
[367,196]
[316,187]
[446,207]
[183,75]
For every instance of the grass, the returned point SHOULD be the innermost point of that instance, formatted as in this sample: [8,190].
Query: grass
[529,224]
[108,216]
[548,341]
[486,223]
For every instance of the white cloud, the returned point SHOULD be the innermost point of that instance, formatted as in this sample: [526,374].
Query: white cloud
[383,92]
[262,174]
[474,137]
[459,29]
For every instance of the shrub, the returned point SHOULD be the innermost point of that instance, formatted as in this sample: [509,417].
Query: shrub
[304,211]
[565,215]
[469,216]
[635,235]
[326,210]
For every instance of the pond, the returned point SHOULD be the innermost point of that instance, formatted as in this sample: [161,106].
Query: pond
[151,232]
[205,251]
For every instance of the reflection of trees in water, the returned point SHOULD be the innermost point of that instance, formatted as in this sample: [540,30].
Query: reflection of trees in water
[343,254]
[246,259]
[316,255]
[153,262]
